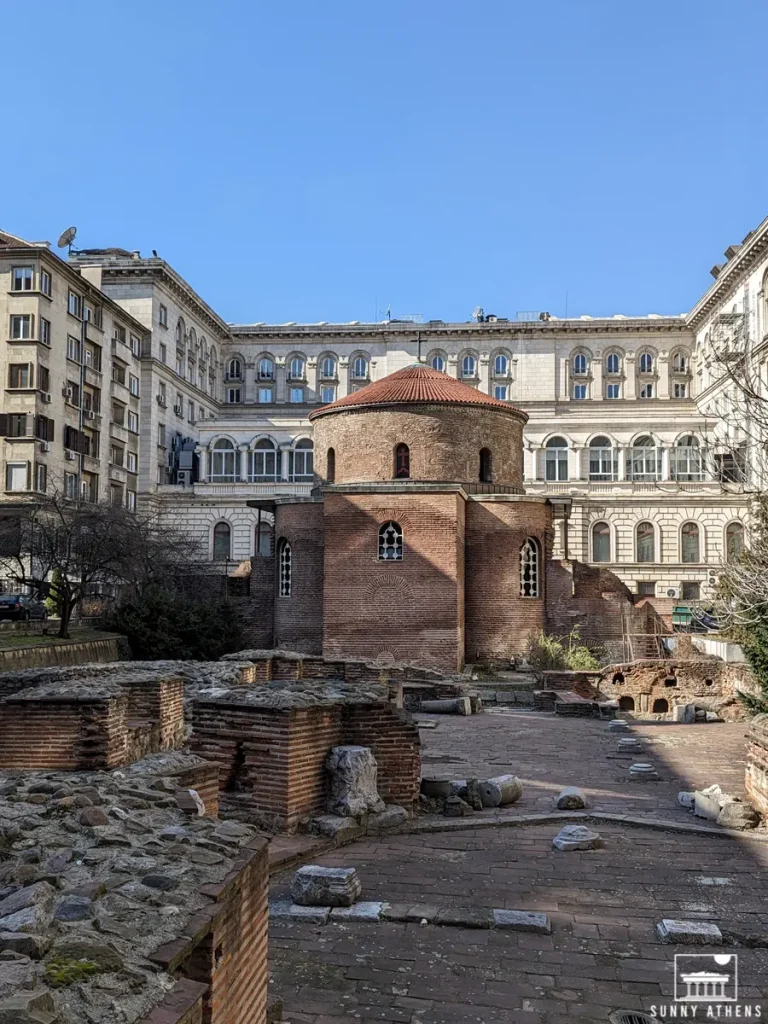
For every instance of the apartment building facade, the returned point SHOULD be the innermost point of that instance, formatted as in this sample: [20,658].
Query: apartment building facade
[71,370]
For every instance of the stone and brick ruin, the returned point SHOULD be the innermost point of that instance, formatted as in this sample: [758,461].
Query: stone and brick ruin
[120,884]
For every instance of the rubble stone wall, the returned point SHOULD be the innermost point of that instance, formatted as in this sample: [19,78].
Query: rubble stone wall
[224,947]
[648,685]
[756,774]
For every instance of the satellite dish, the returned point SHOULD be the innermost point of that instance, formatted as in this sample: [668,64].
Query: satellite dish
[67,237]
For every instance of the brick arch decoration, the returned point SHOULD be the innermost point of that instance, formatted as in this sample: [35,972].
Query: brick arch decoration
[398,515]
[383,581]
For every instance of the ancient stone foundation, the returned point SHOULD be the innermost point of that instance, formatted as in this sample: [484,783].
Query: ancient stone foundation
[756,774]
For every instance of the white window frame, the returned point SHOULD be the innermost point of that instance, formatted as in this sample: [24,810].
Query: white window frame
[530,569]
[26,279]
[22,326]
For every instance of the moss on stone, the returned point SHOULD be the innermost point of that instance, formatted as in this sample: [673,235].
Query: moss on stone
[66,971]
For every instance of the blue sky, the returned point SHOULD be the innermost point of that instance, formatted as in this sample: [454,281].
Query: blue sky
[321,161]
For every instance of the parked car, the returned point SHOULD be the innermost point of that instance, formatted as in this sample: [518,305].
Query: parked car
[22,607]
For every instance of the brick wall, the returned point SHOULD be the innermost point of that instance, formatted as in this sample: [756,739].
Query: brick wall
[444,442]
[498,620]
[74,734]
[272,762]
[162,702]
[710,685]
[396,611]
[204,779]
[756,774]
[395,743]
[224,947]
[298,618]
[182,1005]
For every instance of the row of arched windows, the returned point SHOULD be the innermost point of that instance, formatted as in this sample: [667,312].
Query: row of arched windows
[646,370]
[647,543]
[196,361]
[262,463]
[401,468]
[391,548]
[222,541]
[643,460]
[296,367]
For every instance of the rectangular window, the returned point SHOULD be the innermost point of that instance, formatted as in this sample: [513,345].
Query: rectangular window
[233,395]
[162,316]
[22,279]
[70,485]
[75,304]
[579,391]
[44,428]
[131,462]
[43,378]
[93,356]
[500,392]
[21,326]
[327,395]
[135,345]
[119,334]
[681,390]
[118,373]
[179,367]
[163,353]
[45,331]
[118,413]
[646,588]
[20,375]
[162,394]
[191,412]
[134,385]
[17,424]
[45,283]
[296,395]
[613,391]
[116,455]
[96,314]
[130,501]
[265,395]
[16,476]
[41,478]
[133,421]
[646,391]
[73,348]
[691,591]
[161,434]
[73,395]
[202,413]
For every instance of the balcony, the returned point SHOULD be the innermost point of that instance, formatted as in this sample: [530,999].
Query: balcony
[276,489]
[626,487]
[119,431]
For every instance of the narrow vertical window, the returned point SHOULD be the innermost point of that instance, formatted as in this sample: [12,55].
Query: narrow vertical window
[645,543]
[284,568]
[402,461]
[689,542]
[601,542]
[486,466]
[263,539]
[221,542]
[330,466]
[529,568]
[734,542]
[390,542]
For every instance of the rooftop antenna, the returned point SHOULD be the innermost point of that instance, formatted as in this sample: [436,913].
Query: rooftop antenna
[66,238]
[478,314]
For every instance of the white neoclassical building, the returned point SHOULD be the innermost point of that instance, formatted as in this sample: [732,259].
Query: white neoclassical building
[632,432]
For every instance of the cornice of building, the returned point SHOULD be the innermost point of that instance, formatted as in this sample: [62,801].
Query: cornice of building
[730,277]
[114,268]
[498,329]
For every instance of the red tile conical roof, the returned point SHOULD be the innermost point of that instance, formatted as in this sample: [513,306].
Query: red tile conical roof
[415,385]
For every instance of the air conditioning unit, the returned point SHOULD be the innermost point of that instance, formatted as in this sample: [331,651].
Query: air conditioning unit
[90,414]
[45,446]
[667,591]
[179,410]
[184,477]
[46,397]
[161,400]
[67,392]
[69,455]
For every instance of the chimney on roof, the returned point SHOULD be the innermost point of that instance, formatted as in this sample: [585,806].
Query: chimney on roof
[136,254]
[731,251]
[715,271]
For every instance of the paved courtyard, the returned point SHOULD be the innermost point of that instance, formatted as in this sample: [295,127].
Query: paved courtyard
[603,953]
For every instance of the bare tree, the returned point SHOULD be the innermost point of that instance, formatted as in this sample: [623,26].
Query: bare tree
[82,544]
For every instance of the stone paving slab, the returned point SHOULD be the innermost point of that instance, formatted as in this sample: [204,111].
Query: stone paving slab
[603,954]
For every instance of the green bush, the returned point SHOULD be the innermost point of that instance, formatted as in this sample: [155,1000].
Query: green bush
[168,624]
[552,653]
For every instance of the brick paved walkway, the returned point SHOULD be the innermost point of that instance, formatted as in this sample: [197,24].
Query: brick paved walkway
[548,752]
[603,953]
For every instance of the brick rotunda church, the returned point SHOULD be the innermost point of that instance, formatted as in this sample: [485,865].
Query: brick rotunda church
[418,543]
